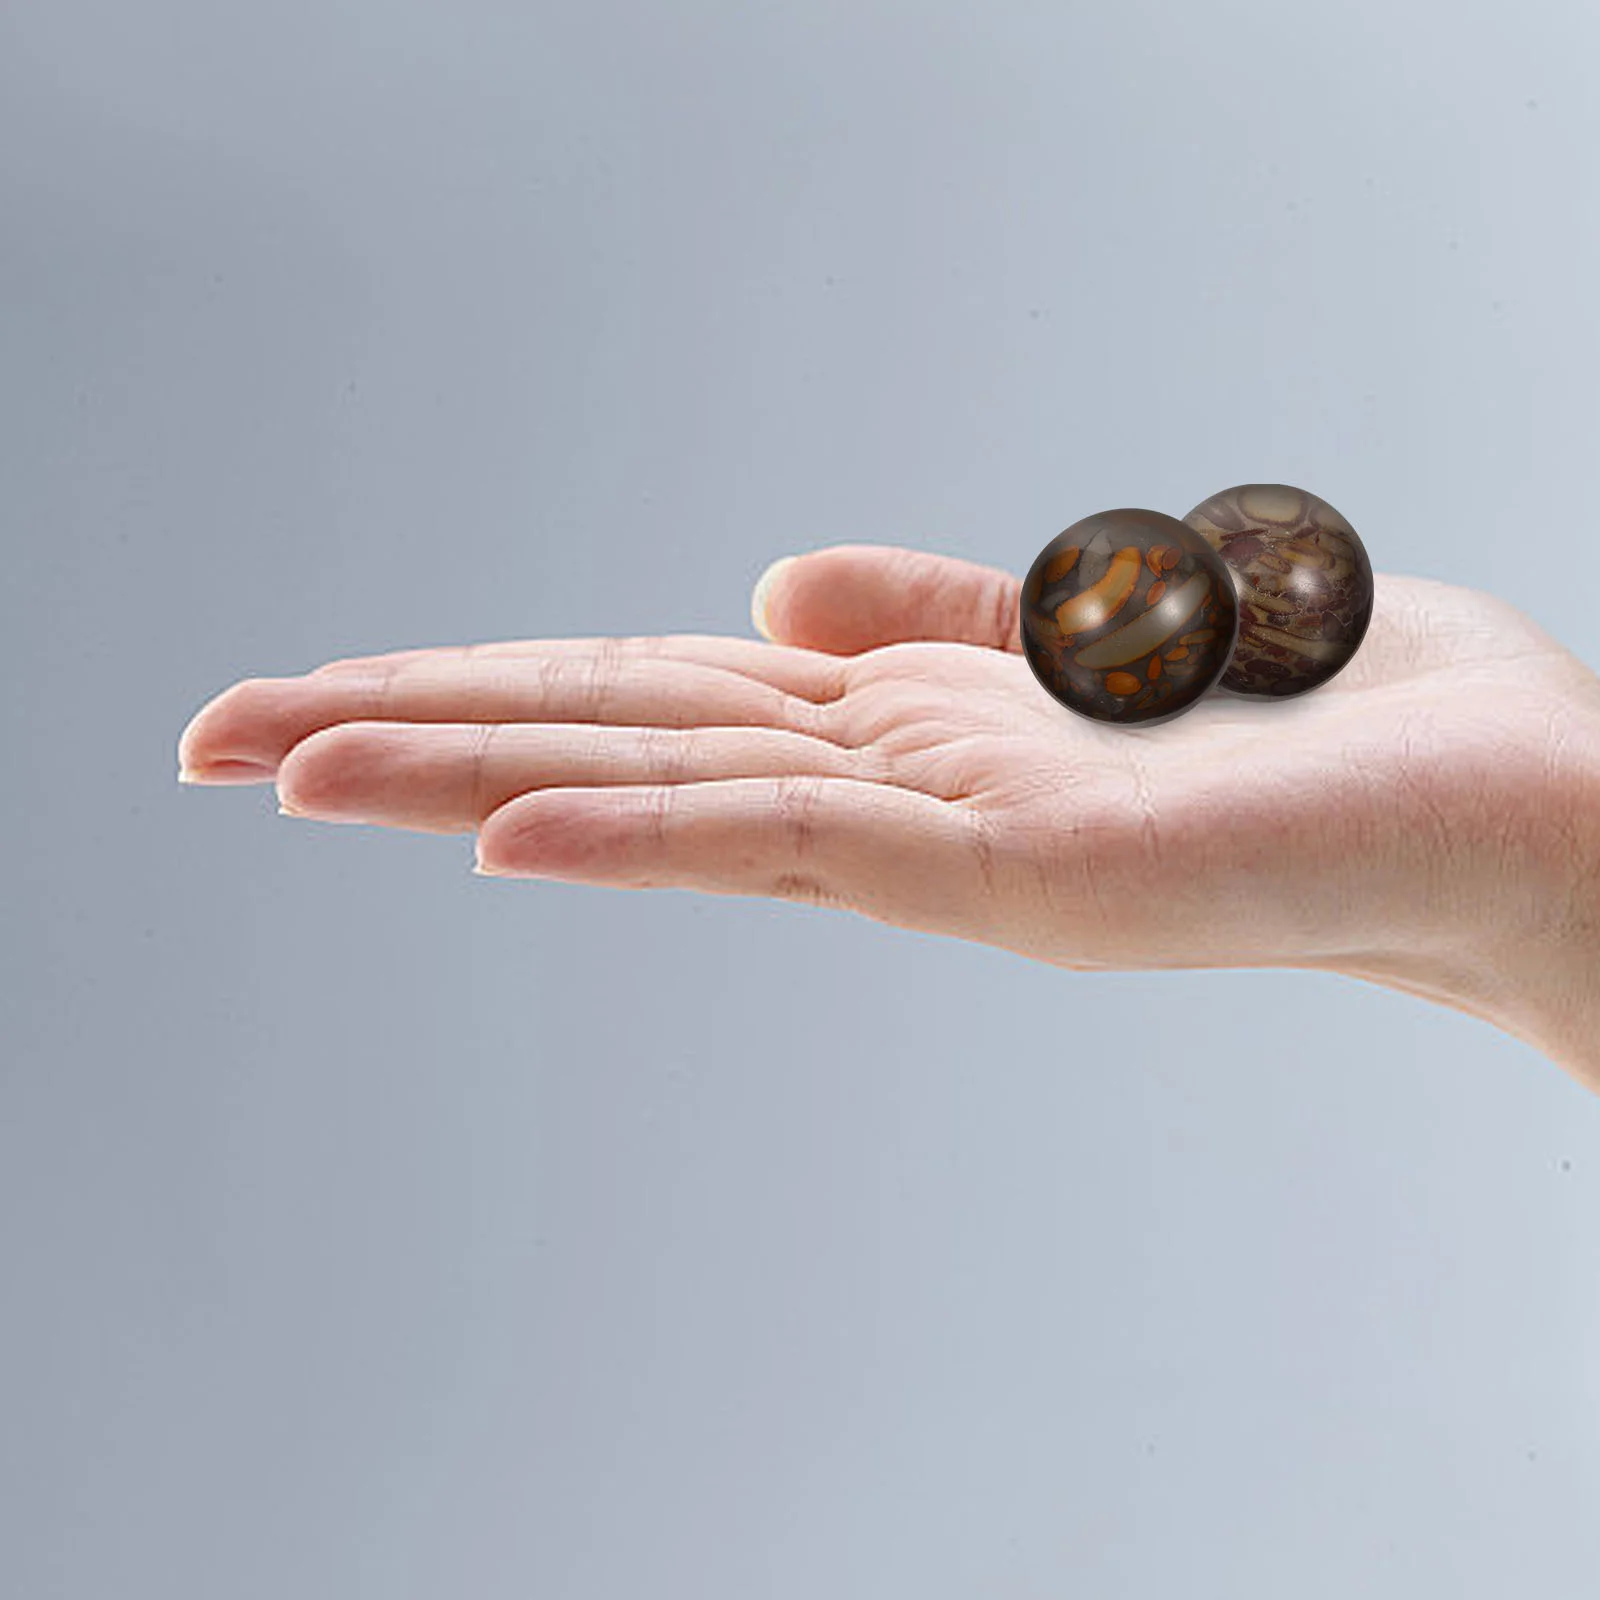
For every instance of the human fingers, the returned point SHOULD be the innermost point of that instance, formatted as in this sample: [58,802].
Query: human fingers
[673,681]
[891,853]
[855,597]
[449,777]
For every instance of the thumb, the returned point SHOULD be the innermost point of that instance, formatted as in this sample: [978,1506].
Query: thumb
[854,597]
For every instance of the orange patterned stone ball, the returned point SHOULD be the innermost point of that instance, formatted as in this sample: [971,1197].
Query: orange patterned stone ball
[1128,616]
[1304,582]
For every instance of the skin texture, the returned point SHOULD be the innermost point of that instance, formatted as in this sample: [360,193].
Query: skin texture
[1426,820]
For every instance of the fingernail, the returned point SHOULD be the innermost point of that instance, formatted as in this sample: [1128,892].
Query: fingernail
[763,589]
[226,772]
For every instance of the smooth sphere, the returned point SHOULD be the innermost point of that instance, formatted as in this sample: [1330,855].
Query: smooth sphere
[1304,582]
[1128,616]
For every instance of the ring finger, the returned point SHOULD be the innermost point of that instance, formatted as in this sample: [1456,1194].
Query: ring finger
[448,777]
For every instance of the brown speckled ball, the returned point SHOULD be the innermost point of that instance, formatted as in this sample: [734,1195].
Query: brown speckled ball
[1304,582]
[1128,616]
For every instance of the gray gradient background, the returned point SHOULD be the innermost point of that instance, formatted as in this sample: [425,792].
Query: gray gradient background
[370,1229]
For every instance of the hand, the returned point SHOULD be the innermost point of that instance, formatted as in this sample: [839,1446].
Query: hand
[1427,819]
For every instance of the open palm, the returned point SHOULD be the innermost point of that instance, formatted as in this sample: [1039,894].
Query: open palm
[889,751]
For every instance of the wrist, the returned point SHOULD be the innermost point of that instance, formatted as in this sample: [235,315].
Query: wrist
[1508,929]
[1530,962]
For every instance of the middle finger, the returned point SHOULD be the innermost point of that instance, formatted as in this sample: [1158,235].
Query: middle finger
[643,682]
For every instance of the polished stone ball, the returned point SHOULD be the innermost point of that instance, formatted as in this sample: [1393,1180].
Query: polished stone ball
[1304,583]
[1128,616]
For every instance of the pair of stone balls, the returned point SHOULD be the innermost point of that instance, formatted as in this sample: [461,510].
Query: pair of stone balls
[1131,616]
